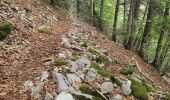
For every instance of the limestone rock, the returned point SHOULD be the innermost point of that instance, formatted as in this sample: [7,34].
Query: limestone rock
[106,87]
[125,87]
[64,96]
[91,74]
[62,83]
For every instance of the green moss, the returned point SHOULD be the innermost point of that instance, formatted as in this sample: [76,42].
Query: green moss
[94,50]
[95,65]
[60,62]
[104,73]
[127,71]
[139,90]
[79,97]
[45,30]
[100,71]
[74,58]
[96,98]
[149,88]
[168,97]
[103,59]
[27,10]
[115,80]
[5,29]
[84,88]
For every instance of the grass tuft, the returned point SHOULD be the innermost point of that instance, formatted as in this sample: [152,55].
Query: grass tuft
[45,30]
[60,62]
[5,29]
[127,71]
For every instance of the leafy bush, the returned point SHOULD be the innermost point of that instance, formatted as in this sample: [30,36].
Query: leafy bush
[139,90]
[127,71]
[5,29]
[60,62]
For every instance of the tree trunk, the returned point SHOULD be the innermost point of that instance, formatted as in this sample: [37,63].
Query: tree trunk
[124,17]
[128,26]
[78,7]
[135,12]
[101,14]
[160,40]
[147,29]
[91,11]
[115,21]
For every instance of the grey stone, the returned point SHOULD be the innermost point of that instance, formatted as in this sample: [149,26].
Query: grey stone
[83,62]
[64,96]
[61,55]
[62,83]
[28,85]
[66,42]
[48,63]
[73,66]
[44,75]
[48,96]
[117,97]
[36,90]
[107,87]
[91,74]
[125,87]
[73,78]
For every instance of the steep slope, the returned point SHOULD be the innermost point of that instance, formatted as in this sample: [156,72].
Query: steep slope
[36,43]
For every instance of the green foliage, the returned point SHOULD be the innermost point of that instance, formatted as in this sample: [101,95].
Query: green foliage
[127,71]
[45,30]
[115,80]
[74,58]
[168,97]
[139,90]
[79,97]
[149,88]
[96,98]
[27,10]
[103,59]
[59,62]
[84,88]
[5,29]
[100,71]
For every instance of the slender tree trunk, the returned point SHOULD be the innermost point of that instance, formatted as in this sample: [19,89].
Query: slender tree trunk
[160,40]
[115,21]
[138,39]
[78,7]
[124,17]
[101,14]
[91,11]
[128,25]
[147,29]
[135,13]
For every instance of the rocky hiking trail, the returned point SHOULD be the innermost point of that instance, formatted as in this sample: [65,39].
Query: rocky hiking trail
[50,56]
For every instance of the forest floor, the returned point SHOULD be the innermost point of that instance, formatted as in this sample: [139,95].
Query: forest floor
[23,59]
